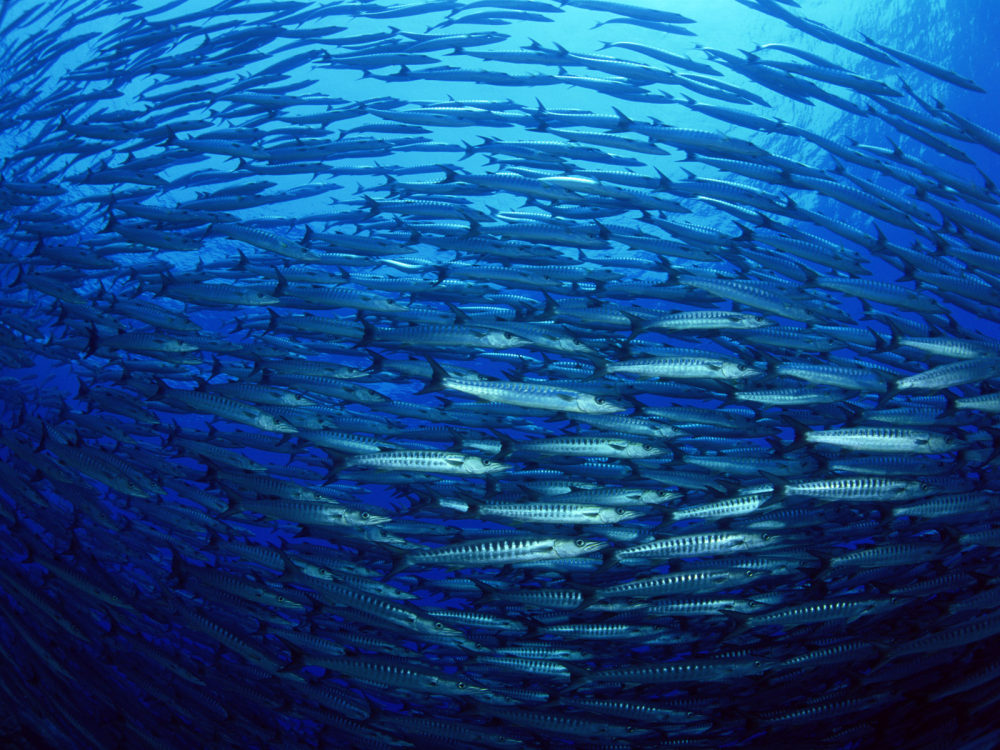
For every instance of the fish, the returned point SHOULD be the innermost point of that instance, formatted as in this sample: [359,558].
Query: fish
[495,375]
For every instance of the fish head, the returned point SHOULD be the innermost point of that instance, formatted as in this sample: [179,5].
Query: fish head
[615,515]
[753,320]
[503,340]
[579,546]
[275,423]
[599,405]
[438,629]
[366,518]
[659,496]
[463,687]
[952,442]
[477,465]
[647,450]
[136,489]
[738,370]
[312,570]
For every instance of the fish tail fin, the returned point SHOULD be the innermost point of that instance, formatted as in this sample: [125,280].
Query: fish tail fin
[93,339]
[825,557]
[624,121]
[399,563]
[891,391]
[608,560]
[740,622]
[779,484]
[578,676]
[178,566]
[637,324]
[438,374]
[600,369]
[298,656]
[369,335]
[800,429]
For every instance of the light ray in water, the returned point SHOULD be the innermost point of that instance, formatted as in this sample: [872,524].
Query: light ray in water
[484,374]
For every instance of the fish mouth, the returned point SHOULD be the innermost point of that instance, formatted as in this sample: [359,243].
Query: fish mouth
[345,344]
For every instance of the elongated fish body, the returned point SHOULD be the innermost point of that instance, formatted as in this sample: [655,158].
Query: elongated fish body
[498,553]
[535,396]
[735,506]
[687,582]
[557,513]
[696,545]
[970,631]
[681,368]
[227,408]
[860,489]
[489,375]
[710,670]
[988,402]
[885,440]
[696,320]
[952,374]
[599,447]
[442,462]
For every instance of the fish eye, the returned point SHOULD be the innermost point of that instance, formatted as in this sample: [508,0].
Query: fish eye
[461,686]
[438,625]
[365,515]
[486,462]
[508,336]
[741,368]
[580,542]
[647,447]
[620,511]
[765,537]
[600,400]
[281,599]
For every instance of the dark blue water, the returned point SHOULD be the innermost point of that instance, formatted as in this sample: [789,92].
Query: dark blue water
[161,586]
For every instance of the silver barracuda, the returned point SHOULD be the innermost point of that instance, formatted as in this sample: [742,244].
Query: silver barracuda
[885,440]
[442,462]
[498,374]
[500,552]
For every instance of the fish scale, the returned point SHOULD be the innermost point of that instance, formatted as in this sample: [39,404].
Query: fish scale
[566,533]
[503,552]
[692,545]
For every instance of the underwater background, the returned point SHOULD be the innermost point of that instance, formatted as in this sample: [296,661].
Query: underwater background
[501,373]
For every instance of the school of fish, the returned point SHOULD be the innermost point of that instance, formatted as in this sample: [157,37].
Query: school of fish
[413,420]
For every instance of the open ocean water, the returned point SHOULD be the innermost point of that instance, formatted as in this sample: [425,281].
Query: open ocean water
[499,374]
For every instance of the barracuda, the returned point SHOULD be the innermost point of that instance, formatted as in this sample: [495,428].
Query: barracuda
[497,553]
[885,440]
[952,374]
[440,462]
[227,408]
[601,447]
[859,489]
[705,481]
[556,513]
[682,368]
[696,545]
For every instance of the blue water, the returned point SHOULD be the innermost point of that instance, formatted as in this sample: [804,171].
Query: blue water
[115,707]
